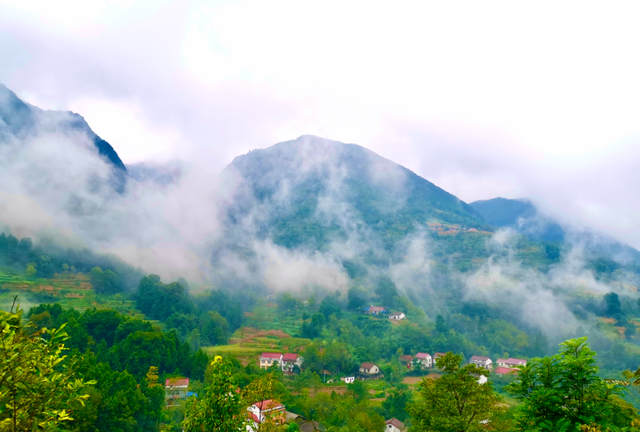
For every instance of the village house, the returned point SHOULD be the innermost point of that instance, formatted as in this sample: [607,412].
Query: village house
[511,362]
[505,371]
[375,310]
[406,360]
[423,359]
[259,412]
[394,425]
[396,316]
[348,380]
[269,359]
[290,360]
[368,371]
[175,391]
[436,356]
[484,362]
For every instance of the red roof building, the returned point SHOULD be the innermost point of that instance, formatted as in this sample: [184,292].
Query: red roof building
[290,357]
[394,425]
[177,383]
[505,371]
[276,356]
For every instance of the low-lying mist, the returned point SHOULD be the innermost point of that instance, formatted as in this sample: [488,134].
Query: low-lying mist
[293,225]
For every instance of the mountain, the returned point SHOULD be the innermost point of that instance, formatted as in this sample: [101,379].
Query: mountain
[523,216]
[311,191]
[20,121]
[520,214]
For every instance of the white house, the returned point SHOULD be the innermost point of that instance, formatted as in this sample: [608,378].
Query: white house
[175,391]
[394,425]
[369,371]
[484,362]
[260,411]
[396,316]
[424,359]
[348,380]
[290,360]
[268,359]
[511,362]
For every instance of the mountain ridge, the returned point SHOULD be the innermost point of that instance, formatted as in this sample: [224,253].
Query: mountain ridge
[21,120]
[310,174]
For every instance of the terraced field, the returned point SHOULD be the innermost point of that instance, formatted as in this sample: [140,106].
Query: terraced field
[248,343]
[70,290]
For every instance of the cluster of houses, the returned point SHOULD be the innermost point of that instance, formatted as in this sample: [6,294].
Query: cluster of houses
[287,362]
[448,229]
[425,360]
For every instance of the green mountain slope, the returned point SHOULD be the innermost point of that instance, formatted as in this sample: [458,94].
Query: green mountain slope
[311,191]
[523,216]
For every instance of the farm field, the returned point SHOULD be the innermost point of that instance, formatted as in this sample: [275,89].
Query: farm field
[247,343]
[67,289]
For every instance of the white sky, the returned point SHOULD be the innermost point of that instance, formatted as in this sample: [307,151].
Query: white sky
[536,99]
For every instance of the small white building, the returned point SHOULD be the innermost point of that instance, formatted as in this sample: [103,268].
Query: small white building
[423,359]
[369,371]
[397,316]
[348,380]
[484,362]
[394,425]
[269,359]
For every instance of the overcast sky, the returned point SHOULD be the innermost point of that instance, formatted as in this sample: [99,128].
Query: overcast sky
[514,99]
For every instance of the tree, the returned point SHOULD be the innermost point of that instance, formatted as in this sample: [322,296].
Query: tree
[387,292]
[441,327]
[287,304]
[31,269]
[223,407]
[612,303]
[357,298]
[37,386]
[562,392]
[396,404]
[630,331]
[330,306]
[456,402]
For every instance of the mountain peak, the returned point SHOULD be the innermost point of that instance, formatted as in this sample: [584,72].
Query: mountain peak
[20,120]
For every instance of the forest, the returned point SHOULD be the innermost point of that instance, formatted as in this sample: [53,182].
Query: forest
[119,359]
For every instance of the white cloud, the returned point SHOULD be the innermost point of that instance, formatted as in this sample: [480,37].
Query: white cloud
[484,99]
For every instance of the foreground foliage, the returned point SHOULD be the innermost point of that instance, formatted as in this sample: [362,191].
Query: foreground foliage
[457,401]
[564,392]
[38,387]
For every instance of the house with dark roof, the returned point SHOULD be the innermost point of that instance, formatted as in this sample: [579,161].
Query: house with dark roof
[407,360]
[368,371]
[268,359]
[484,362]
[394,425]
[175,391]
[397,316]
